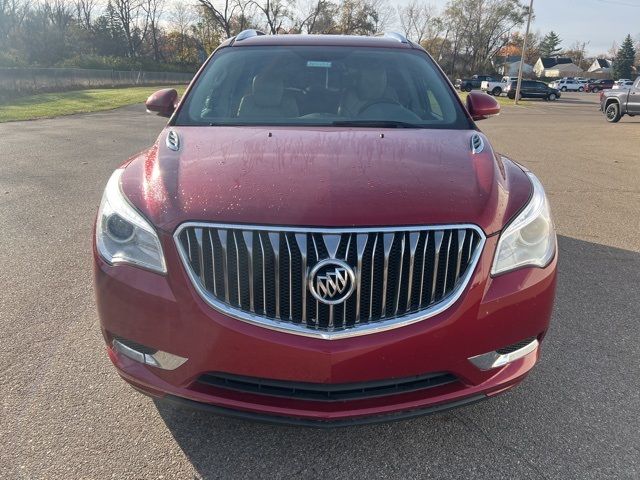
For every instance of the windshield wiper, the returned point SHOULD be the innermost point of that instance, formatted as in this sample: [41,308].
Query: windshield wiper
[375,124]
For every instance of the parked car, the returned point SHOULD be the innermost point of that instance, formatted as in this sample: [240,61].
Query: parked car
[622,83]
[568,84]
[598,85]
[473,83]
[244,263]
[497,88]
[615,104]
[533,89]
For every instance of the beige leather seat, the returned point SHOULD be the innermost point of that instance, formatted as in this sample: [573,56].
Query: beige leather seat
[372,86]
[267,100]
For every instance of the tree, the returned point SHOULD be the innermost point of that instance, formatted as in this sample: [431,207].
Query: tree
[275,13]
[222,16]
[478,29]
[550,45]
[318,16]
[134,21]
[578,53]
[623,64]
[418,21]
[357,17]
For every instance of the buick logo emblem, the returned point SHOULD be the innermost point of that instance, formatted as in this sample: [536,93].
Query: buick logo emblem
[332,281]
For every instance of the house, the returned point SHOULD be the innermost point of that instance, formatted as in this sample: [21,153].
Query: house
[510,69]
[556,67]
[601,65]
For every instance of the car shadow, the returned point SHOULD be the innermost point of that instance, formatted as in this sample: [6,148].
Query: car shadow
[543,427]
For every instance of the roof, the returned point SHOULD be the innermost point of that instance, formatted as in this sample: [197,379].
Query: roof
[390,41]
[550,62]
[603,63]
[566,67]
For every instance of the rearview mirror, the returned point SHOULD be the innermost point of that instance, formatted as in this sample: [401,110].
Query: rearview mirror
[163,102]
[480,105]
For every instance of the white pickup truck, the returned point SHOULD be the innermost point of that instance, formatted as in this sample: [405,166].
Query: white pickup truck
[497,88]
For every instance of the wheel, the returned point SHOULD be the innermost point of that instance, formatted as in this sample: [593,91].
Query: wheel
[552,97]
[612,113]
[595,89]
[581,89]
[468,88]
[563,89]
[496,92]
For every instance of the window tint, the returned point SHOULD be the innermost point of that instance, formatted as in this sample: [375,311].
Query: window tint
[301,85]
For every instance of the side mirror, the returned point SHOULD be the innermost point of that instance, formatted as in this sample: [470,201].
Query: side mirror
[163,102]
[480,105]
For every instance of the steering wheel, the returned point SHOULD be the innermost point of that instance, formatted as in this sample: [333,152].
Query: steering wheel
[380,101]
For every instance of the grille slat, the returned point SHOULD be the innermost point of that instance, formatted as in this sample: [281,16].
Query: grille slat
[259,273]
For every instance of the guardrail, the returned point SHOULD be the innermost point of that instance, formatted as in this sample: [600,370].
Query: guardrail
[33,80]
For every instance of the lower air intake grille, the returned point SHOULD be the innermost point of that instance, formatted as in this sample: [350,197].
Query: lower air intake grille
[515,346]
[325,392]
[323,282]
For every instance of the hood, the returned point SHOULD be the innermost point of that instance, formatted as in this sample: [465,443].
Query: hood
[324,177]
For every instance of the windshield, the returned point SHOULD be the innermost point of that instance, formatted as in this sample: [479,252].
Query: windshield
[341,86]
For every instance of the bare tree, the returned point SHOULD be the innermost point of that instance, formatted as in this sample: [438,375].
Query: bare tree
[275,13]
[318,16]
[84,12]
[154,10]
[12,15]
[134,21]
[222,16]
[417,20]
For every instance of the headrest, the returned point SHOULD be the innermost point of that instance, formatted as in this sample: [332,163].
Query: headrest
[267,90]
[372,83]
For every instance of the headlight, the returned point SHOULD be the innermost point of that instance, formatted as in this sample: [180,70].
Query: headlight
[122,234]
[530,239]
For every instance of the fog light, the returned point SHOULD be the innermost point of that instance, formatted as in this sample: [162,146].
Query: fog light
[148,356]
[502,356]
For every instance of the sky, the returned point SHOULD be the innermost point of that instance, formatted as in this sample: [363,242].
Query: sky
[598,22]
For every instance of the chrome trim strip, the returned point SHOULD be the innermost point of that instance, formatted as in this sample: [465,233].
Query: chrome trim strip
[414,238]
[160,359]
[387,241]
[361,329]
[490,360]
[438,236]
[301,240]
[274,240]
[248,240]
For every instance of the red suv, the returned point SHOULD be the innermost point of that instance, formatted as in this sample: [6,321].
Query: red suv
[321,235]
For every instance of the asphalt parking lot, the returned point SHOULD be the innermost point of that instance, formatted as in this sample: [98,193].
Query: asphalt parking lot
[67,414]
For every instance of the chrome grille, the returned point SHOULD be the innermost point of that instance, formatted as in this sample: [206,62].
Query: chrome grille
[259,274]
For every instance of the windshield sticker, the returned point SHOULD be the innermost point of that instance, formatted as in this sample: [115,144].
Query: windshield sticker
[316,64]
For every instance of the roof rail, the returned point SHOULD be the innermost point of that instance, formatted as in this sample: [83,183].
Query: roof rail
[243,35]
[396,36]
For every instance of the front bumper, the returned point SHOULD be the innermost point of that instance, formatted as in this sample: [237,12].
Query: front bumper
[166,313]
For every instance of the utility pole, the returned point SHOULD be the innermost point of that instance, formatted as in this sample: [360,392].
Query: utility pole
[524,49]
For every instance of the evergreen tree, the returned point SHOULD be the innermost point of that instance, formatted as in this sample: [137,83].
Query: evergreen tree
[622,65]
[550,45]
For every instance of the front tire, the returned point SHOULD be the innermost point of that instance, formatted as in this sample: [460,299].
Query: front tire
[563,89]
[612,112]
[581,89]
[553,97]
[468,88]
[595,89]
[496,92]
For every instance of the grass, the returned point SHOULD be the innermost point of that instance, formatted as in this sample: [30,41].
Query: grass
[47,105]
